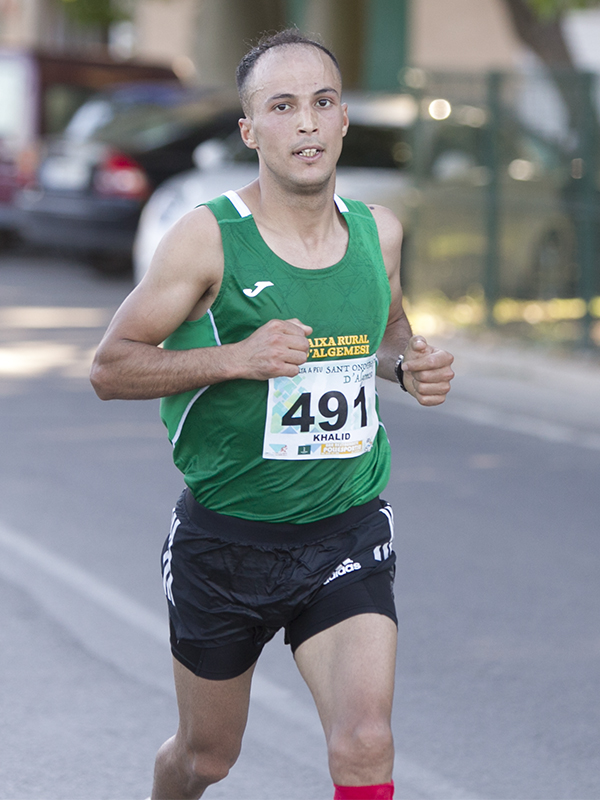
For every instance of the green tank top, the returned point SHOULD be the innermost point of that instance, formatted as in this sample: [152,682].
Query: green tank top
[288,450]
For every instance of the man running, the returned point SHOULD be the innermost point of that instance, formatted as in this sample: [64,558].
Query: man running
[276,305]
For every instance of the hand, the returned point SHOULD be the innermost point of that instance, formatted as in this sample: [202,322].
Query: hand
[275,349]
[427,372]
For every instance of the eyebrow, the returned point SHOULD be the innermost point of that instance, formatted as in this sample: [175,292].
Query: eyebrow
[290,96]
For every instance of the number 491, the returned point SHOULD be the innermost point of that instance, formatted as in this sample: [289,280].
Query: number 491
[332,405]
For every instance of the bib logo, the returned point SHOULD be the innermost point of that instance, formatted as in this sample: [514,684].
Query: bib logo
[328,347]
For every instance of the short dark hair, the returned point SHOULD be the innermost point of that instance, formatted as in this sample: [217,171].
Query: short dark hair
[288,36]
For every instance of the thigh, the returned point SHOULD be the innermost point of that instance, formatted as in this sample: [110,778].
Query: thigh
[350,670]
[212,713]
[373,594]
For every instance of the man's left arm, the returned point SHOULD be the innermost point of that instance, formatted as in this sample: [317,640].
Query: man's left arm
[427,371]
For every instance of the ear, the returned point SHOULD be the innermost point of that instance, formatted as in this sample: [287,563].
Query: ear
[346,121]
[247,133]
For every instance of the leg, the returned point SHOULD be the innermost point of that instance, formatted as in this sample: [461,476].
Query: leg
[212,719]
[349,669]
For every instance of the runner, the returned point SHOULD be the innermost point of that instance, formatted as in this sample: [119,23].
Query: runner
[276,305]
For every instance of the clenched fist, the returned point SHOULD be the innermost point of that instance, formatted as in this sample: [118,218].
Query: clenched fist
[427,371]
[275,349]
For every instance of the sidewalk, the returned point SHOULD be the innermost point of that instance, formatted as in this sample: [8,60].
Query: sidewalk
[544,382]
[537,389]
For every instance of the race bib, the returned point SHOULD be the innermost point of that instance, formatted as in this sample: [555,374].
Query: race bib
[326,411]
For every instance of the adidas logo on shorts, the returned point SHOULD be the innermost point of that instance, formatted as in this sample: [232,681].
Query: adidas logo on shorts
[344,568]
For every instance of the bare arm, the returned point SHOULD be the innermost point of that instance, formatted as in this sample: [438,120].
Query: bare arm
[183,280]
[427,370]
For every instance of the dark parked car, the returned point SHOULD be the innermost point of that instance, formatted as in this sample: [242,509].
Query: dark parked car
[40,92]
[94,179]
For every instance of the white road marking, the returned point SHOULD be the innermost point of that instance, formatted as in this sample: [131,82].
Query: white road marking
[481,413]
[84,583]
[45,317]
[39,561]
[521,423]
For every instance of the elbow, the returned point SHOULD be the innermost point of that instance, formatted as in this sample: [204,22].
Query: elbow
[101,382]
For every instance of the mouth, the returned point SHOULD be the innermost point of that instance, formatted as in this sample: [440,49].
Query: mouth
[308,153]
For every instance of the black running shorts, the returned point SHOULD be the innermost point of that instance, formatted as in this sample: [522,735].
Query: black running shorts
[231,583]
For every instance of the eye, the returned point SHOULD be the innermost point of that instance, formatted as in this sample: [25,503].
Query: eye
[281,106]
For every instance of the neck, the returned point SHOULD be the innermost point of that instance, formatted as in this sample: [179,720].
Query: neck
[303,228]
[304,214]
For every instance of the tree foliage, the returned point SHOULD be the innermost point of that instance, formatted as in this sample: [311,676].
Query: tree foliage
[538,23]
[551,9]
[94,12]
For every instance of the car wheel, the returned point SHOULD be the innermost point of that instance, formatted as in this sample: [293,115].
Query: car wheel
[554,269]
[8,239]
[112,263]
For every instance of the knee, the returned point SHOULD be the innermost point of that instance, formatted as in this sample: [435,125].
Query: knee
[361,750]
[199,765]
[211,764]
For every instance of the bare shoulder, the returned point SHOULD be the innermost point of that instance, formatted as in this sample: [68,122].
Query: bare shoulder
[183,279]
[191,250]
[390,235]
[388,225]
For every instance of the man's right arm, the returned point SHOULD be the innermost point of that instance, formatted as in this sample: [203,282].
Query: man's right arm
[183,280]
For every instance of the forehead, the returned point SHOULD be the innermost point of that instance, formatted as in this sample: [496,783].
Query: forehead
[292,69]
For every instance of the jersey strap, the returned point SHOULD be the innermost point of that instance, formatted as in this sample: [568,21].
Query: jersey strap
[238,204]
[244,211]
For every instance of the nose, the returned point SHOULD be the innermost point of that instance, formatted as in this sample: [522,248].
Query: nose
[307,120]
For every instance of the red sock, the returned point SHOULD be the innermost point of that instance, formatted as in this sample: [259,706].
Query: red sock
[383,791]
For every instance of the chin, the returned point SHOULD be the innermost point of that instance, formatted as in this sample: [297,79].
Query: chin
[312,185]
[302,182]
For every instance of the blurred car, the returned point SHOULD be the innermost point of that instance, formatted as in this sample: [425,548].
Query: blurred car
[40,92]
[372,165]
[93,180]
[432,170]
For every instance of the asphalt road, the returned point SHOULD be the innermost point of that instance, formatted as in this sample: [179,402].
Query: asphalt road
[496,504]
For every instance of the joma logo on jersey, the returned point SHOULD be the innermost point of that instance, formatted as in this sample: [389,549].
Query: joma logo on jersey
[258,287]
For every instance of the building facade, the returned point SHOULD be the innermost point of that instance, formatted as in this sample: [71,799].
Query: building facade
[204,39]
[373,39]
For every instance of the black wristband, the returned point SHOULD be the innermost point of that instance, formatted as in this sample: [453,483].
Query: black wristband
[399,373]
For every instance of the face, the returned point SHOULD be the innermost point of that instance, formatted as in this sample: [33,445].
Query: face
[295,118]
